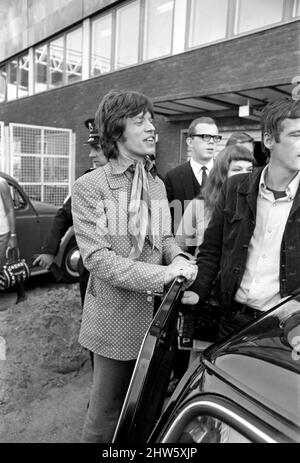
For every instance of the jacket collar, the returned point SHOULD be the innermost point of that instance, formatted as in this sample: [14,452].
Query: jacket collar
[124,164]
[250,186]
[250,183]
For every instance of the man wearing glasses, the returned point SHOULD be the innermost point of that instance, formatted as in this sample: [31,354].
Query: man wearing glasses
[186,181]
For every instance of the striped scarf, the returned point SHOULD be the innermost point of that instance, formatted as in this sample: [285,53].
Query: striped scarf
[140,223]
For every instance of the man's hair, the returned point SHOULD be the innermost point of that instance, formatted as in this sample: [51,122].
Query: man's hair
[220,169]
[274,114]
[199,120]
[115,107]
[238,138]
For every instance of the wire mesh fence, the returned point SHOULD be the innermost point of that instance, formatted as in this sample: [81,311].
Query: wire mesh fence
[41,161]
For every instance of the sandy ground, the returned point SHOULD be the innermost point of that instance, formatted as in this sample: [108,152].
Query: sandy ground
[45,375]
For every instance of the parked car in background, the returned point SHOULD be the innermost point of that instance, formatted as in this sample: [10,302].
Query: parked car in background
[33,222]
[243,389]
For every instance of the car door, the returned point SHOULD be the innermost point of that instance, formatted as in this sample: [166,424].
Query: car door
[27,223]
[150,379]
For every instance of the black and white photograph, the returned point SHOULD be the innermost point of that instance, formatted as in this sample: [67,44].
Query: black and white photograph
[149,225]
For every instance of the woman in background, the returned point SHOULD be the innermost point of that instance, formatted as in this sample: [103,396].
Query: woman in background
[202,325]
[230,161]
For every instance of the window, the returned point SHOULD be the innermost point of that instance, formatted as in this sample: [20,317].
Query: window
[127,35]
[40,66]
[18,199]
[23,76]
[179,26]
[3,76]
[101,45]
[74,56]
[158,28]
[258,13]
[12,82]
[208,21]
[59,62]
[56,52]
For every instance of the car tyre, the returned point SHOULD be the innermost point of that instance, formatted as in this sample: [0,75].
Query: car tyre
[70,262]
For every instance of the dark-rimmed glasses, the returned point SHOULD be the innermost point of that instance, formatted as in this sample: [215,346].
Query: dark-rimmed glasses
[206,137]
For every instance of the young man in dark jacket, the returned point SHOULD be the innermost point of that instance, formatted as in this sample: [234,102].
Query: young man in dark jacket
[251,248]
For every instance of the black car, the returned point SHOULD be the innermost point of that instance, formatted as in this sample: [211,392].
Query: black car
[245,388]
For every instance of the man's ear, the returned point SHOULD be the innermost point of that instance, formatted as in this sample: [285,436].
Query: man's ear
[269,141]
[189,142]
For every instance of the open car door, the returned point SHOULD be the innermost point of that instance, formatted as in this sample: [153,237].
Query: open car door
[151,375]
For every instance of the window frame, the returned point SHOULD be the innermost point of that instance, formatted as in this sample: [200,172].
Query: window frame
[166,55]
[93,19]
[48,73]
[123,6]
[217,40]
[68,32]
[256,29]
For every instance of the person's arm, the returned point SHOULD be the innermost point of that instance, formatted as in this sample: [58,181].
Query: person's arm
[62,222]
[209,256]
[188,232]
[9,209]
[172,252]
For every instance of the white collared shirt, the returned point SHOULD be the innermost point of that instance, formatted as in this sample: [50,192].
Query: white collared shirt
[260,286]
[197,169]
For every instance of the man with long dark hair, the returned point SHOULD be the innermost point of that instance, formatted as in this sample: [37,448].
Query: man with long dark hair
[123,229]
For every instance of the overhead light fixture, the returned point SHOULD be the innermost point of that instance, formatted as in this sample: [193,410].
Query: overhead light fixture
[249,113]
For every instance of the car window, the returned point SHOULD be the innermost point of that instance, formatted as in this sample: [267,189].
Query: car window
[18,200]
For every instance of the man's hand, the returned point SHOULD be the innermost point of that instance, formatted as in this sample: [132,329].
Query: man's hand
[180,258]
[189,298]
[44,260]
[181,267]
[13,242]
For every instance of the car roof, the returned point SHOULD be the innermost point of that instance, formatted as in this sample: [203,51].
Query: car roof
[263,359]
[7,176]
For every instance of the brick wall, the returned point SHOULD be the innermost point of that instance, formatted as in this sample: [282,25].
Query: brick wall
[264,58]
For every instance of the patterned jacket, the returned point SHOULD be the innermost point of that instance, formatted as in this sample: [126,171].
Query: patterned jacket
[119,300]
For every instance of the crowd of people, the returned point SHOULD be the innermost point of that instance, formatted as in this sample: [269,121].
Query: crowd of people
[225,221]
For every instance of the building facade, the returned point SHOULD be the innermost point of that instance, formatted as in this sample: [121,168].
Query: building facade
[220,58]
